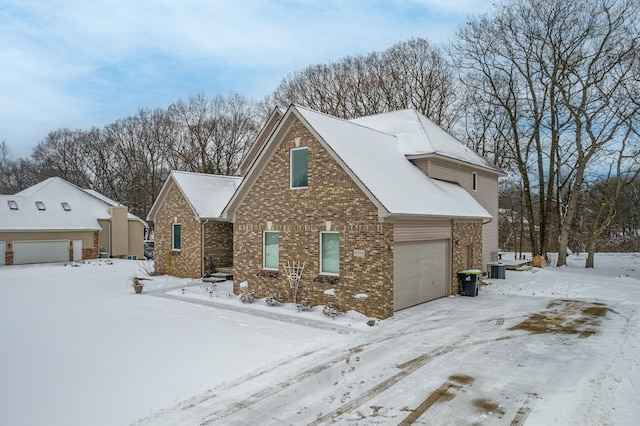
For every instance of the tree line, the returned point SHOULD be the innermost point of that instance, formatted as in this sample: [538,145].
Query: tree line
[130,159]
[548,90]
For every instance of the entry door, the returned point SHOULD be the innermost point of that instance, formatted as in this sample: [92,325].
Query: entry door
[77,250]
[420,272]
[2,252]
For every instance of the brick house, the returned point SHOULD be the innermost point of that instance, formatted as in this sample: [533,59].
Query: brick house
[388,206]
[191,237]
[56,221]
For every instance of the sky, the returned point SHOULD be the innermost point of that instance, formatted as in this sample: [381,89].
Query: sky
[80,64]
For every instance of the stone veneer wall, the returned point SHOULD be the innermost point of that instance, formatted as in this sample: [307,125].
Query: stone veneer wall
[299,215]
[218,244]
[464,234]
[185,263]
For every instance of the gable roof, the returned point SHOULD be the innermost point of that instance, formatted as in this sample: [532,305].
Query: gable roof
[85,208]
[418,136]
[377,165]
[206,194]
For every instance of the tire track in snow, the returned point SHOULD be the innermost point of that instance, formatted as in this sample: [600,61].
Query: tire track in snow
[407,368]
[205,397]
[524,410]
[441,393]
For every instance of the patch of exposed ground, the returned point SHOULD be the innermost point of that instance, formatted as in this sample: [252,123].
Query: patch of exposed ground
[566,317]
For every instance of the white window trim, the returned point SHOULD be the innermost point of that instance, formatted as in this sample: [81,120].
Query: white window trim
[474,181]
[291,167]
[331,274]
[173,241]
[264,252]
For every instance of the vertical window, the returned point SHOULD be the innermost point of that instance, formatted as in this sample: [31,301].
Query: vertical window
[176,236]
[330,253]
[474,181]
[271,250]
[299,167]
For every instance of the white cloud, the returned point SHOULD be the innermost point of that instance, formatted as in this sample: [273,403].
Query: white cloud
[89,62]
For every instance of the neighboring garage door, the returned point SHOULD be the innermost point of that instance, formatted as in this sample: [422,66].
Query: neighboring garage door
[2,253]
[419,272]
[40,251]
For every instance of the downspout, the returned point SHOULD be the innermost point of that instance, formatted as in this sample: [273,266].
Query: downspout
[110,242]
[202,246]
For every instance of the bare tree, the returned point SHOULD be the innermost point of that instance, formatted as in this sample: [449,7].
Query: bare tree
[410,74]
[604,197]
[5,162]
[213,134]
[548,79]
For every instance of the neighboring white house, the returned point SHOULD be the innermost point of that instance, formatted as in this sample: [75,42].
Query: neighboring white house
[56,221]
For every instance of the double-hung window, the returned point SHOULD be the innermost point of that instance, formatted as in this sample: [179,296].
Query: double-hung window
[176,237]
[299,167]
[330,253]
[271,250]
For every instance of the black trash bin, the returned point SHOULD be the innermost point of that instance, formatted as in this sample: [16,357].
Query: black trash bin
[497,270]
[469,282]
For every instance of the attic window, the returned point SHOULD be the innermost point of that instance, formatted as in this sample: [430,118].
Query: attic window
[40,205]
[474,181]
[66,206]
[12,205]
[299,167]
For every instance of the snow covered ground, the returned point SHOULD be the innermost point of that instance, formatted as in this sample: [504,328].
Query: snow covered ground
[544,346]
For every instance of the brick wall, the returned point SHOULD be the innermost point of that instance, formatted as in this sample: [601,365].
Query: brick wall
[299,215]
[8,258]
[463,235]
[92,253]
[185,263]
[218,244]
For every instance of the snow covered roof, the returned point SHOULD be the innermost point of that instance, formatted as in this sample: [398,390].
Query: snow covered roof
[54,204]
[377,160]
[418,136]
[207,194]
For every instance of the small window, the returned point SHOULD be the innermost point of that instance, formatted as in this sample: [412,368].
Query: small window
[474,181]
[330,253]
[299,169]
[66,206]
[271,250]
[40,205]
[176,237]
[12,205]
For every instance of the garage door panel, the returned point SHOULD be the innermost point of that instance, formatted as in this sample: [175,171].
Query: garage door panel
[2,252]
[419,272]
[40,251]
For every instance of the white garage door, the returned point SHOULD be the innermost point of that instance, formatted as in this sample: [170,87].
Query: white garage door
[2,244]
[419,272]
[40,251]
